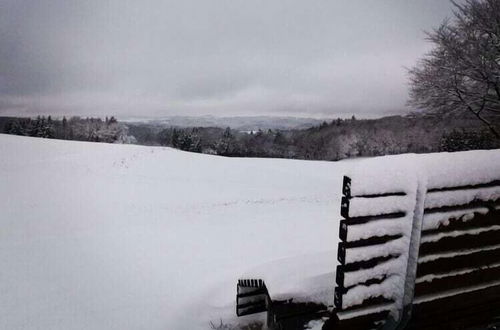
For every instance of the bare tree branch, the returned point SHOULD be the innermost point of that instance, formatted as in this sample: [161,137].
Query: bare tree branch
[462,72]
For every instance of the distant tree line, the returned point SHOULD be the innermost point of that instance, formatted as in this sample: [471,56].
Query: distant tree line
[75,128]
[334,140]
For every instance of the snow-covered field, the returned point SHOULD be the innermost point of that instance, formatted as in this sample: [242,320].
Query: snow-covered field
[99,236]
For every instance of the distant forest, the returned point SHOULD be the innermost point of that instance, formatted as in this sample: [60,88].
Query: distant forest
[75,128]
[333,140]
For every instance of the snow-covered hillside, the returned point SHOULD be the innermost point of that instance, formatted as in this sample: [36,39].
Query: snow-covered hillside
[99,236]
[102,236]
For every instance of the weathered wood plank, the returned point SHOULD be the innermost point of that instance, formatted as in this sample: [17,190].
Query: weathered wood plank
[366,219]
[472,260]
[369,321]
[464,187]
[374,240]
[460,280]
[478,221]
[344,269]
[366,304]
[457,312]
[458,243]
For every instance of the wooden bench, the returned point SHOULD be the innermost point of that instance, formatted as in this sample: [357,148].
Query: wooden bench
[253,297]
[432,264]
[420,250]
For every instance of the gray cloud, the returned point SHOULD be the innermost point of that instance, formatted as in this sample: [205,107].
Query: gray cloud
[223,57]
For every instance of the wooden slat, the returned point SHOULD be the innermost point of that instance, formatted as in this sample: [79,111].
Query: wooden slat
[256,308]
[343,248]
[343,228]
[473,204]
[370,218]
[338,298]
[254,283]
[252,293]
[344,207]
[457,312]
[374,240]
[365,264]
[473,260]
[366,304]
[387,194]
[369,321]
[289,314]
[458,281]
[346,225]
[463,242]
[342,289]
[464,187]
[346,186]
[479,221]
[346,191]
[250,304]
[376,299]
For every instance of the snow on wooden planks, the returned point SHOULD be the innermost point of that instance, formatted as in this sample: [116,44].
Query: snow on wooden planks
[458,269]
[458,244]
[372,255]
[251,297]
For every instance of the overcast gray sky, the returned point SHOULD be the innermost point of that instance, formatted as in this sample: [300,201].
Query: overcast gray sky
[220,57]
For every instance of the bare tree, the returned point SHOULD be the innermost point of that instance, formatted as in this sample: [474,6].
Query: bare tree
[462,72]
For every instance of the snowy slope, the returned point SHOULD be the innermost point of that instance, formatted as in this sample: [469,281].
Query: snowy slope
[98,236]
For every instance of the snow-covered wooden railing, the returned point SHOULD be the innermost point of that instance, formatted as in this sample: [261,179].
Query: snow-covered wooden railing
[423,247]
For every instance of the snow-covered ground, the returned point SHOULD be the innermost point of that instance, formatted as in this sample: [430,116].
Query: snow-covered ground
[100,236]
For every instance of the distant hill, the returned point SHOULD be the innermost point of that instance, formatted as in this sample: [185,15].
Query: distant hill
[275,137]
[329,140]
[251,123]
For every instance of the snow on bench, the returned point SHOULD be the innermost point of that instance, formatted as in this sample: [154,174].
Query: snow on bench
[373,251]
[420,243]
[251,297]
